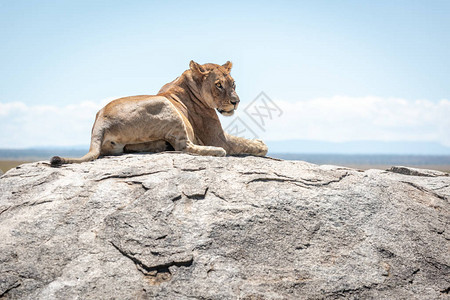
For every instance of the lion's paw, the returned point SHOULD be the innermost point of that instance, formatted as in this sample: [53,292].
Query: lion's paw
[261,148]
[215,151]
[219,152]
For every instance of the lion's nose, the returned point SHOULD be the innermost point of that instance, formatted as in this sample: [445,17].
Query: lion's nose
[234,98]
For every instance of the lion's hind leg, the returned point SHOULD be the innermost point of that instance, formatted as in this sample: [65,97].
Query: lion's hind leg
[154,147]
[111,147]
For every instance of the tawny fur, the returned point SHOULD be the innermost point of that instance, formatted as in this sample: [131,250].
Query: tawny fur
[181,115]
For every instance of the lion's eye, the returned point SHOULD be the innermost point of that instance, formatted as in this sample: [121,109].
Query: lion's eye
[219,85]
[234,85]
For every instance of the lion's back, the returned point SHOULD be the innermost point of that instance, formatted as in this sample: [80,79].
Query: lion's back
[136,104]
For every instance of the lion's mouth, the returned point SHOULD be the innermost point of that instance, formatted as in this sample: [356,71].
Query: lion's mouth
[226,112]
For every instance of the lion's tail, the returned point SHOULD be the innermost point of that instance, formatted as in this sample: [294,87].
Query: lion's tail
[94,150]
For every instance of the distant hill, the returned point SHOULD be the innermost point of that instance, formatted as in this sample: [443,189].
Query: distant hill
[292,149]
[40,153]
[365,161]
[358,147]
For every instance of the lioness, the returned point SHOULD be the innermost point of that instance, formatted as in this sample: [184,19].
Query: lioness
[181,116]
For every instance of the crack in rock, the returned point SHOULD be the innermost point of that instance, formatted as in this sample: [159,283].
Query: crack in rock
[256,173]
[218,196]
[197,196]
[385,253]
[119,176]
[4,210]
[40,202]
[268,179]
[424,190]
[349,291]
[411,280]
[175,199]
[158,273]
[300,182]
[192,170]
[442,187]
[416,172]
[13,286]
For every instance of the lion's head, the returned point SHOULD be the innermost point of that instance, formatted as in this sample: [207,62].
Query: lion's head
[217,87]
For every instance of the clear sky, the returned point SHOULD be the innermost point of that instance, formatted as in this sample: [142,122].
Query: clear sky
[354,70]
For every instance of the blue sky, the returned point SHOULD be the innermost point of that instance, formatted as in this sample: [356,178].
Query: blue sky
[73,56]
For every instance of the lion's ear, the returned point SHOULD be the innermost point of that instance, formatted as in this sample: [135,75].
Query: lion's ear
[228,66]
[197,68]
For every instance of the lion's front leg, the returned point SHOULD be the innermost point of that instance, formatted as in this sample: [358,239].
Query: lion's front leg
[239,145]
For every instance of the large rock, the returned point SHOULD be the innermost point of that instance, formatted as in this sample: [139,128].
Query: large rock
[176,226]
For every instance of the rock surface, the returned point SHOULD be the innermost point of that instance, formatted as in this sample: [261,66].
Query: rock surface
[176,226]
